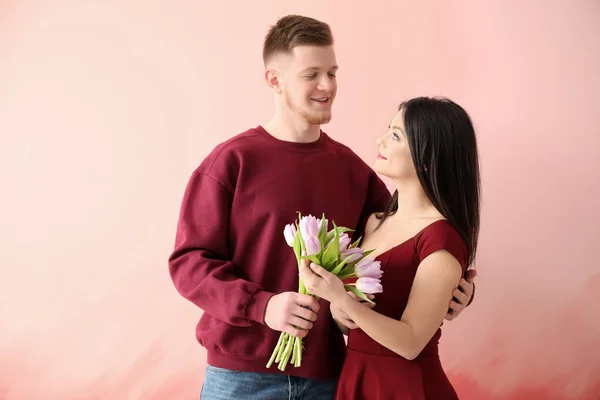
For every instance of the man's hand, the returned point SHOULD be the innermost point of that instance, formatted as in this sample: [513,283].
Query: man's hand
[462,295]
[341,317]
[291,312]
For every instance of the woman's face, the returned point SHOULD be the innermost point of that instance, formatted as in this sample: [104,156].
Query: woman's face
[394,159]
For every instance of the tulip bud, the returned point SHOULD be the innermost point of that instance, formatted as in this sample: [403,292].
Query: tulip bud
[369,285]
[289,232]
[313,246]
[309,227]
[368,268]
[320,223]
[344,242]
[355,253]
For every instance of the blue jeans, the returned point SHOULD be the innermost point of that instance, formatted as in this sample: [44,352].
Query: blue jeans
[223,384]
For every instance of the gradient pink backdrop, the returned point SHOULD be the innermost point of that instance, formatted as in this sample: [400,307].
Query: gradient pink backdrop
[107,106]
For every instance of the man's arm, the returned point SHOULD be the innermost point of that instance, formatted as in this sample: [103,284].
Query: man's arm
[200,265]
[202,271]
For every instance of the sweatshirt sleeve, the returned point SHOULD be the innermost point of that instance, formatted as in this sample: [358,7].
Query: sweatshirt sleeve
[200,265]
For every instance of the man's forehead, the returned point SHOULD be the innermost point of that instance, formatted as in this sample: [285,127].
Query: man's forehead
[315,57]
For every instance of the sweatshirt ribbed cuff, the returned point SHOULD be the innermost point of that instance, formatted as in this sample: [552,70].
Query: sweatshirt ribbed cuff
[257,305]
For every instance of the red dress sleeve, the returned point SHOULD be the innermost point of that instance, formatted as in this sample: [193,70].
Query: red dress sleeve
[441,235]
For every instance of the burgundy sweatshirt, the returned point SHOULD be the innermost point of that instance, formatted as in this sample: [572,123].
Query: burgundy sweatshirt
[230,254]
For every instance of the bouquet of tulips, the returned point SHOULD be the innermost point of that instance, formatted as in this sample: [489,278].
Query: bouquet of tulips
[331,249]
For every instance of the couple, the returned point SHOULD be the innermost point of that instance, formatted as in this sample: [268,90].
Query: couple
[232,261]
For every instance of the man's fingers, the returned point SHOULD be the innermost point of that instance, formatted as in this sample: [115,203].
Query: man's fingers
[450,316]
[459,296]
[471,275]
[304,313]
[305,300]
[300,323]
[292,330]
[455,307]
[465,286]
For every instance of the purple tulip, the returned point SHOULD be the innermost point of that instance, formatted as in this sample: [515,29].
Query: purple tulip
[355,252]
[369,285]
[344,242]
[309,227]
[289,232]
[313,246]
[368,268]
[321,223]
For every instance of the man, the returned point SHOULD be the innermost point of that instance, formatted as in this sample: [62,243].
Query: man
[230,256]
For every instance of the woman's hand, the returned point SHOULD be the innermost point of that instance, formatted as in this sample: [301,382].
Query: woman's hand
[342,318]
[320,282]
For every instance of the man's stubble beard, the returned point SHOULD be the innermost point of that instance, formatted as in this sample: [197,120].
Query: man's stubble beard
[313,118]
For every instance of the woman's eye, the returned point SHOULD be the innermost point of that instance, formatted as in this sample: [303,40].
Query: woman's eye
[396,137]
[311,76]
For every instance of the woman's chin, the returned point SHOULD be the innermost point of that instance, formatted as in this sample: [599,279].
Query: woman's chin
[378,169]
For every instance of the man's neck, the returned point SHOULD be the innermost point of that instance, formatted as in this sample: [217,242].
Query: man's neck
[292,130]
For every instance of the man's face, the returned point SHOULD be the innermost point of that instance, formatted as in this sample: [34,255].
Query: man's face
[308,83]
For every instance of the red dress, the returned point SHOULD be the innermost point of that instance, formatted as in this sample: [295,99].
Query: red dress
[371,371]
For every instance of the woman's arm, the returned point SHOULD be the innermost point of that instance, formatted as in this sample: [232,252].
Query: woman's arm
[342,320]
[436,277]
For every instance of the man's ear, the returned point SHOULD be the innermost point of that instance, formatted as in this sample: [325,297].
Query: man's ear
[272,78]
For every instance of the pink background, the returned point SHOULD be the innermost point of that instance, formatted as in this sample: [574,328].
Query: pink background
[107,106]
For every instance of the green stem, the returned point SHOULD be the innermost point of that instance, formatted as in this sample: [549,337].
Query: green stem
[282,347]
[276,351]
[302,288]
[286,354]
[294,354]
[298,350]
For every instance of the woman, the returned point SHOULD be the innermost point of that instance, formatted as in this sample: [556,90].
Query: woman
[425,241]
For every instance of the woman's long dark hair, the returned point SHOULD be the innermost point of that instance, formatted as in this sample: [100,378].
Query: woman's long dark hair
[443,146]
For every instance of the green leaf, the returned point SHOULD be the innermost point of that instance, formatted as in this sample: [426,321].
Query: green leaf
[365,254]
[346,272]
[330,255]
[302,243]
[297,244]
[343,229]
[338,229]
[357,292]
[323,232]
[329,236]
[341,265]
[314,259]
[355,244]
